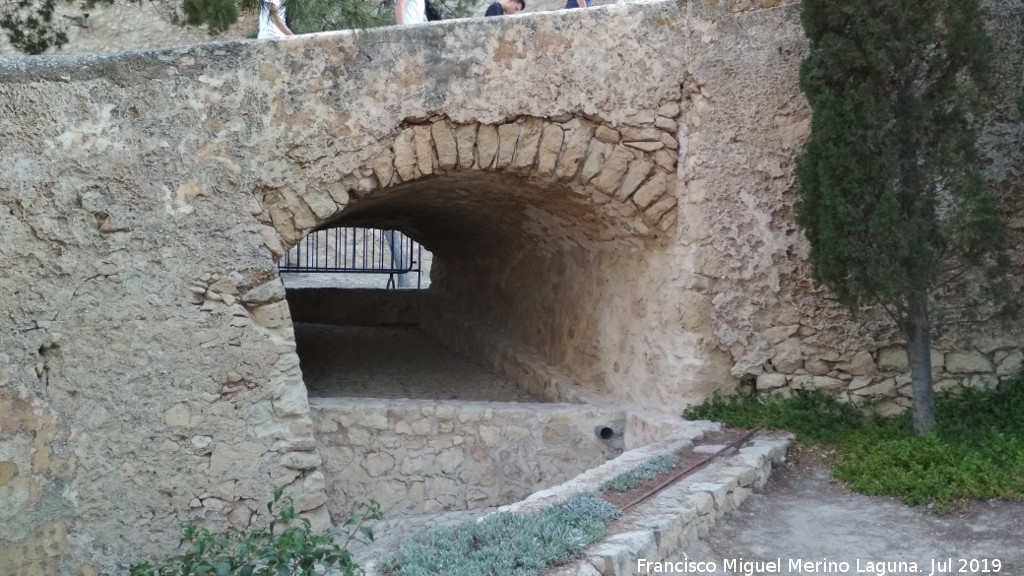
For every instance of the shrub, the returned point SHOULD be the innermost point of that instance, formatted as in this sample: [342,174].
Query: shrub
[286,547]
[976,450]
[505,543]
[646,471]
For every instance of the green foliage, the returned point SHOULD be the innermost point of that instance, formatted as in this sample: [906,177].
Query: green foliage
[890,193]
[813,416]
[890,190]
[307,16]
[287,547]
[505,543]
[646,471]
[30,27]
[976,449]
[218,15]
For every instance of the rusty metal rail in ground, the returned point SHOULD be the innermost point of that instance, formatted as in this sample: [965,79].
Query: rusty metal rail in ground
[690,470]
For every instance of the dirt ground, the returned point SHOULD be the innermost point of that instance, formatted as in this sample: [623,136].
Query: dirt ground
[803,515]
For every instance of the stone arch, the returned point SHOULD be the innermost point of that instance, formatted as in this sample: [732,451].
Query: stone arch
[628,171]
[558,198]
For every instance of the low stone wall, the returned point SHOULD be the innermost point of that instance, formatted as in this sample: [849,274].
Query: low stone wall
[428,456]
[349,307]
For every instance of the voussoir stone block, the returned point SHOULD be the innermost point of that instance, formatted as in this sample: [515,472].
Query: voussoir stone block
[445,144]
[273,315]
[486,145]
[550,145]
[383,167]
[424,149]
[338,191]
[465,139]
[651,190]
[596,155]
[508,137]
[646,146]
[304,217]
[614,169]
[658,210]
[577,140]
[320,202]
[638,171]
[405,155]
[526,149]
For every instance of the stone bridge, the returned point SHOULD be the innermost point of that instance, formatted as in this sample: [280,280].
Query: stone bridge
[606,193]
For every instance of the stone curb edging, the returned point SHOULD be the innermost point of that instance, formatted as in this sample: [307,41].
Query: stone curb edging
[663,525]
[683,512]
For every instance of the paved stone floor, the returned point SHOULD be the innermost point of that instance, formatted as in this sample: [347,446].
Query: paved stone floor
[393,362]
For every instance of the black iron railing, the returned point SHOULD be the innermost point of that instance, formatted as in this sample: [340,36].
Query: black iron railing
[357,251]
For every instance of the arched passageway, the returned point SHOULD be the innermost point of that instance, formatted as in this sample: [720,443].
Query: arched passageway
[534,226]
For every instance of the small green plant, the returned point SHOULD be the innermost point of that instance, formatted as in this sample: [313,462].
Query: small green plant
[286,547]
[506,544]
[645,471]
[976,450]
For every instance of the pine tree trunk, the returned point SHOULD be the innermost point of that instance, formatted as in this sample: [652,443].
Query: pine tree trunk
[917,330]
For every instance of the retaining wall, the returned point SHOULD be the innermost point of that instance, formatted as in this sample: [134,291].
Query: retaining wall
[427,456]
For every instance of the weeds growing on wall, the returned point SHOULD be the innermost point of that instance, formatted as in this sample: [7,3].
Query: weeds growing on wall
[505,543]
[286,547]
[631,479]
[975,452]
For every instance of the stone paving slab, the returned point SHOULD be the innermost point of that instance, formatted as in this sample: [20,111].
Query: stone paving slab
[393,362]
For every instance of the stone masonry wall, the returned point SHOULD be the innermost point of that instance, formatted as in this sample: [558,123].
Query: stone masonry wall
[148,375]
[738,142]
[424,456]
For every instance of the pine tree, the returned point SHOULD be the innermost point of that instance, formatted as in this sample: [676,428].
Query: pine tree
[890,193]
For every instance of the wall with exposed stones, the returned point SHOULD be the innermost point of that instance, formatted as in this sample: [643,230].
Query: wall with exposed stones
[583,244]
[419,457]
[146,196]
[735,205]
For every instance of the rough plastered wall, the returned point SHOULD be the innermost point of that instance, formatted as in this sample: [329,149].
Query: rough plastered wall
[124,26]
[147,367]
[416,456]
[744,121]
